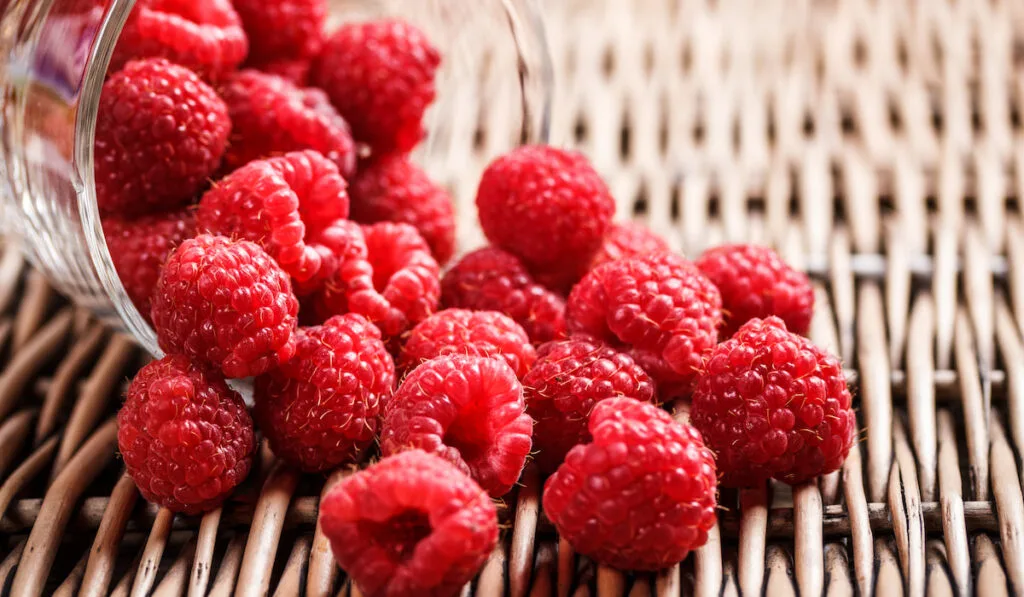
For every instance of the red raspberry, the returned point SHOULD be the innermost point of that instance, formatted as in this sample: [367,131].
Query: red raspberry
[547,206]
[380,76]
[659,308]
[490,279]
[295,71]
[399,289]
[185,436]
[568,379]
[278,203]
[756,283]
[282,29]
[225,303]
[203,35]
[772,404]
[474,333]
[271,116]
[139,248]
[412,524]
[394,189]
[321,409]
[160,134]
[468,410]
[628,240]
[641,496]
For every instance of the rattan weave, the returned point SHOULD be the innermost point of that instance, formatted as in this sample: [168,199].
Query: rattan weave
[877,143]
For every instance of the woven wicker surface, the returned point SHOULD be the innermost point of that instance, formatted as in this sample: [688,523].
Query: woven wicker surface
[877,143]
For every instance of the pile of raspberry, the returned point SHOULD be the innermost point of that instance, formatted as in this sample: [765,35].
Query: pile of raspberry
[260,204]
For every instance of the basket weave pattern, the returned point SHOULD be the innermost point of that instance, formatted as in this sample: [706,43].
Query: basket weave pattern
[877,143]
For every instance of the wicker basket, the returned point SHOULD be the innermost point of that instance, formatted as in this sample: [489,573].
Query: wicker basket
[878,143]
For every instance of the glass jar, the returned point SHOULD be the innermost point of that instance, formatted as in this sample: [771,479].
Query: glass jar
[495,77]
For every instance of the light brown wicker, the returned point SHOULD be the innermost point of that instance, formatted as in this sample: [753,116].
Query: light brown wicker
[877,143]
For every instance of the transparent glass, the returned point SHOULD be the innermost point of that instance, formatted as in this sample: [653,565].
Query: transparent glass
[53,58]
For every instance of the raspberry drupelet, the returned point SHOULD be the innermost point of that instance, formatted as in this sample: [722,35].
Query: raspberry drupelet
[491,279]
[567,380]
[380,76]
[658,308]
[321,409]
[271,116]
[140,246]
[641,495]
[160,134]
[411,524]
[756,283]
[547,206]
[226,304]
[203,35]
[279,203]
[468,410]
[185,436]
[394,189]
[473,333]
[773,405]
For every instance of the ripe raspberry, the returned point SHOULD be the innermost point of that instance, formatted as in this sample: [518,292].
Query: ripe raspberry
[468,410]
[203,35]
[772,404]
[225,303]
[568,379]
[490,279]
[380,76]
[139,248]
[412,524]
[402,290]
[278,203]
[641,496]
[394,189]
[321,409]
[160,134]
[282,29]
[185,436]
[474,333]
[628,240]
[344,262]
[547,206]
[271,116]
[658,308]
[756,283]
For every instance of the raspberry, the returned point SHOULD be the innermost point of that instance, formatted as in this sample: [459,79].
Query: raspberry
[474,333]
[321,409]
[641,496]
[160,134]
[772,404]
[380,76]
[282,29]
[467,409]
[271,116]
[628,240]
[186,437]
[756,283]
[394,189]
[139,248]
[397,290]
[568,379]
[225,303]
[492,279]
[547,206]
[203,35]
[278,203]
[412,524]
[658,308]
